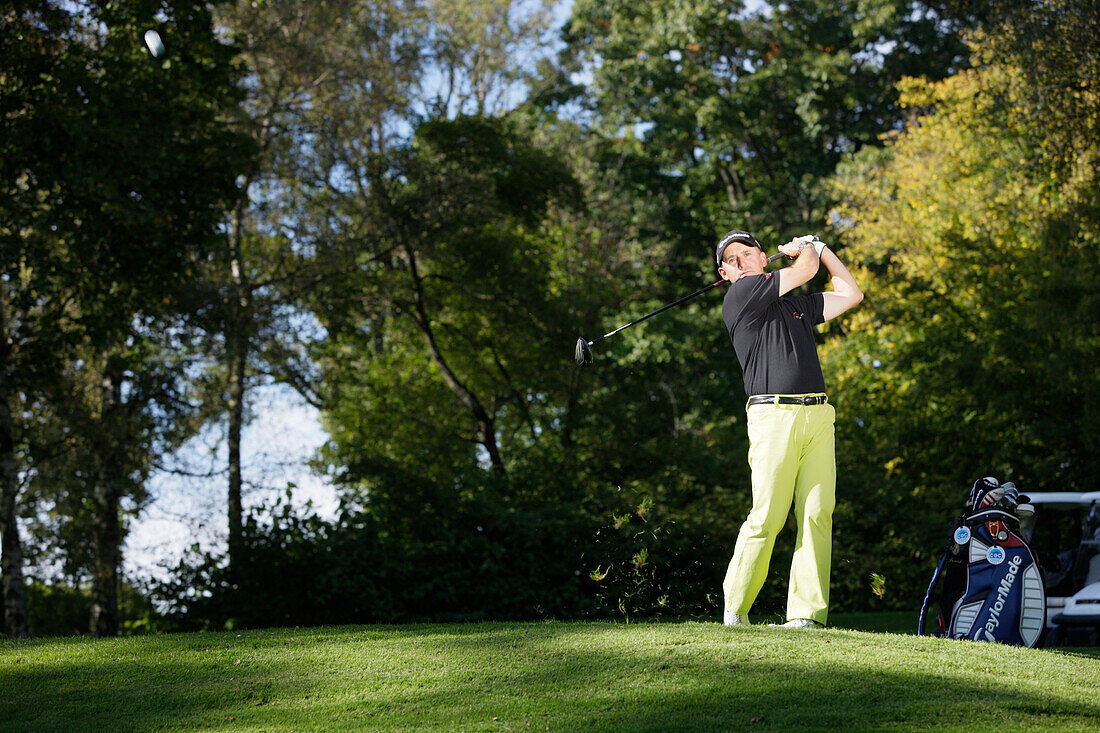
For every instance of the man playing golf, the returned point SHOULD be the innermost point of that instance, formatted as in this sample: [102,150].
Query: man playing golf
[790,423]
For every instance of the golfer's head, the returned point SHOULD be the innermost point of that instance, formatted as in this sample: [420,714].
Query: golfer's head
[739,254]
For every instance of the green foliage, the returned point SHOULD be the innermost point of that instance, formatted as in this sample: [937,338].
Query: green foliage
[117,169]
[81,435]
[501,296]
[58,609]
[450,262]
[442,346]
[751,111]
[655,561]
[1054,47]
[975,352]
[427,554]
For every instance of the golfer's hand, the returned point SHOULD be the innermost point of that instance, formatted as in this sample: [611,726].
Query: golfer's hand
[793,247]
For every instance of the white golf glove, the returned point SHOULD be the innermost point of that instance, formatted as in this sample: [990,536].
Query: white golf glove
[807,240]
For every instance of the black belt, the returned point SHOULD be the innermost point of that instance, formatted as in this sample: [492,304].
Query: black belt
[766,399]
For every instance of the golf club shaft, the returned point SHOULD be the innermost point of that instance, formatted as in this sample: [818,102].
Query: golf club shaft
[661,310]
[684,299]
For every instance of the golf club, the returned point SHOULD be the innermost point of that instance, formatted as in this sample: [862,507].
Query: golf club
[583,351]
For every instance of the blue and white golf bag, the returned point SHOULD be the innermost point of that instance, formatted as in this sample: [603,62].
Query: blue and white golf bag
[992,589]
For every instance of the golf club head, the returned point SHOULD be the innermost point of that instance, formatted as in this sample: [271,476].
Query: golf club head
[583,353]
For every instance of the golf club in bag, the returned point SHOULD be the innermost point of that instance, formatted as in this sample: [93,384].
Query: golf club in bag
[583,351]
[987,585]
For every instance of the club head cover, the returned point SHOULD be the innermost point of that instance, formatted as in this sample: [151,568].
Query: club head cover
[981,487]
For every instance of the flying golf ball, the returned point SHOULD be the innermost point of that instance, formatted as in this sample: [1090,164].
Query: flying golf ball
[152,40]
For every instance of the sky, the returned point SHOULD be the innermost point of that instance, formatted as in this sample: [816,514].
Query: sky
[276,447]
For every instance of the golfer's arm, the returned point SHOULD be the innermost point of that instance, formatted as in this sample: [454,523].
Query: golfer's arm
[845,294]
[801,272]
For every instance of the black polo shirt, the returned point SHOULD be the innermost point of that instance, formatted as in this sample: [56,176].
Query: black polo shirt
[774,336]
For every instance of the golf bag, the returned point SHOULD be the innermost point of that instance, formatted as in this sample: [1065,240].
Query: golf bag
[992,589]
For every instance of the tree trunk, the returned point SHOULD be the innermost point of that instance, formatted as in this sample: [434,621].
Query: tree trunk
[486,423]
[735,191]
[11,547]
[237,344]
[108,528]
[108,538]
[235,407]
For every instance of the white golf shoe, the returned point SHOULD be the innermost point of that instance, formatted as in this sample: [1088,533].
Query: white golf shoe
[730,618]
[799,623]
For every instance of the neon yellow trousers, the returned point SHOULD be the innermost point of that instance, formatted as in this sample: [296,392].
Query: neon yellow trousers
[793,461]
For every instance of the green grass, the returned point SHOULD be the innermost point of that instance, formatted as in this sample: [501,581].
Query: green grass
[669,676]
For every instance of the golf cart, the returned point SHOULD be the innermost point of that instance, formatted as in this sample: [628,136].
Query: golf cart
[1064,533]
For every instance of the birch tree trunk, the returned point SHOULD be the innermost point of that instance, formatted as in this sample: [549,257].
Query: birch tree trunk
[237,338]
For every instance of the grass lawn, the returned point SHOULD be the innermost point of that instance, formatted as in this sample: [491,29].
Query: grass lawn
[558,676]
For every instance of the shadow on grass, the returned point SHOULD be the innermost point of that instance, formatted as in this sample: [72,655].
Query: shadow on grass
[172,682]
[489,677]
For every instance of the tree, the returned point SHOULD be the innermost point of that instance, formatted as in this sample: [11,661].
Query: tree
[483,53]
[334,86]
[975,354]
[453,272]
[100,430]
[117,170]
[1055,46]
[315,71]
[752,110]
